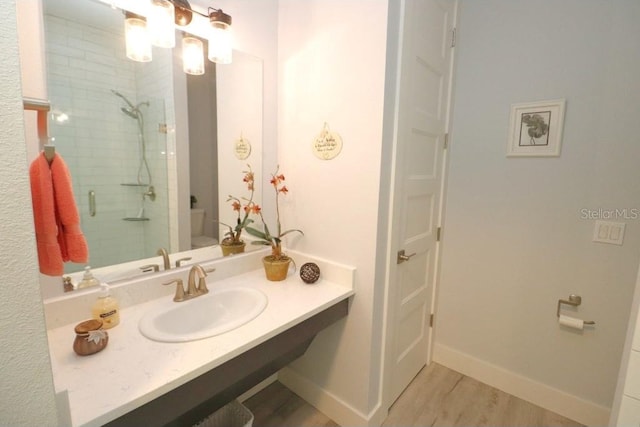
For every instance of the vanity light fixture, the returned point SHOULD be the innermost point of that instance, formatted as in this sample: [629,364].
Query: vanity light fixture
[220,43]
[158,30]
[138,45]
[160,19]
[183,11]
[192,55]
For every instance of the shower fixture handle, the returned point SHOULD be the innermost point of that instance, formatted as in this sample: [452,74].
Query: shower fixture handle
[92,203]
[150,193]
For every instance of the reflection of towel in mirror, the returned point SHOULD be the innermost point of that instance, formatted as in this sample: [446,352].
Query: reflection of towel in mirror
[57,223]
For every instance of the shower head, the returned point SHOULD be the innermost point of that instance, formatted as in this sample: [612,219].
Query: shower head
[133,113]
[116,93]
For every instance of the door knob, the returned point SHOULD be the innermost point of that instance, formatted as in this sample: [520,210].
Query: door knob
[402,257]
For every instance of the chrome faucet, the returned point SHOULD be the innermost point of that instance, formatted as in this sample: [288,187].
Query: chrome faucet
[165,258]
[192,291]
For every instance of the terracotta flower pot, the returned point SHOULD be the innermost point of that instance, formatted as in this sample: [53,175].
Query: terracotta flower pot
[230,248]
[276,268]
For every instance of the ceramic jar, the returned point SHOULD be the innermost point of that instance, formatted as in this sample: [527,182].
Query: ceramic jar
[90,337]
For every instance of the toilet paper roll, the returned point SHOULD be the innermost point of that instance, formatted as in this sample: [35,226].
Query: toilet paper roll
[571,322]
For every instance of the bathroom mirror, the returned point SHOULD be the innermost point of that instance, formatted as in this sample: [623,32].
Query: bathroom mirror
[129,131]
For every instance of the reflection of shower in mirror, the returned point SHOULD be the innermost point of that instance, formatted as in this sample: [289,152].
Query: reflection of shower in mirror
[135,113]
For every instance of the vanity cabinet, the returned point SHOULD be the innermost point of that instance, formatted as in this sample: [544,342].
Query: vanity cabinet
[195,400]
[147,382]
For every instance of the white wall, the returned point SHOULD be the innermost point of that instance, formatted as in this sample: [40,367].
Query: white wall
[331,65]
[514,239]
[26,389]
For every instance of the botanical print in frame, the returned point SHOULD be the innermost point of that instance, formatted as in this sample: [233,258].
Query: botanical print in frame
[536,128]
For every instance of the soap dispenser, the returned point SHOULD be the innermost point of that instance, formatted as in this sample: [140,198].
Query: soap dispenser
[88,279]
[106,308]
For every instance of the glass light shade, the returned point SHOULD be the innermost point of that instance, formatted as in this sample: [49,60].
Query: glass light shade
[160,20]
[138,46]
[220,44]
[192,56]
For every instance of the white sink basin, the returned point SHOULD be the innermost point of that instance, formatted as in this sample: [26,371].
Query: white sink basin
[215,313]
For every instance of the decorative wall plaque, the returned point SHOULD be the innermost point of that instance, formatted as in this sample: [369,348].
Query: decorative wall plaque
[242,148]
[327,144]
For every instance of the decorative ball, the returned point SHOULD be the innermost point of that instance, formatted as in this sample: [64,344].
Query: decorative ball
[309,272]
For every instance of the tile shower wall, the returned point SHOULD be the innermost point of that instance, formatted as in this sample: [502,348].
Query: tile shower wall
[100,143]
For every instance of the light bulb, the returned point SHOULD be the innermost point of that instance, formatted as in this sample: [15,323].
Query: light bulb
[160,20]
[220,44]
[138,46]
[192,56]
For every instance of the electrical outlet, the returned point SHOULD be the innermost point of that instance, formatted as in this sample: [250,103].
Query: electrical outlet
[609,232]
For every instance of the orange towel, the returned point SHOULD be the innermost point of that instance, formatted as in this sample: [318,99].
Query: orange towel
[56,219]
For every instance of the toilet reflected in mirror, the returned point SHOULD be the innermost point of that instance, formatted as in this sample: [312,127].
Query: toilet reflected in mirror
[198,238]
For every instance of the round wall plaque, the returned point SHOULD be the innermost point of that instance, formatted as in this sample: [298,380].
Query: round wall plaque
[242,148]
[327,144]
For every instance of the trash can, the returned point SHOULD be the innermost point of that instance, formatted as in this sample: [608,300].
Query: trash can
[233,414]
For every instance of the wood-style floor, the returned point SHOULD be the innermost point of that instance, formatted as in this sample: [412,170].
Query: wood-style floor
[437,397]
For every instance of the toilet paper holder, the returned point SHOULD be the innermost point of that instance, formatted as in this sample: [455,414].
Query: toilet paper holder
[574,300]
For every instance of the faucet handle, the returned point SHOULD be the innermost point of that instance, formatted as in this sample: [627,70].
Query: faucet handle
[150,267]
[202,286]
[179,296]
[202,283]
[181,260]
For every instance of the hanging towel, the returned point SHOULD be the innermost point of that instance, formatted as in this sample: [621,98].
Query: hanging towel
[57,223]
[72,242]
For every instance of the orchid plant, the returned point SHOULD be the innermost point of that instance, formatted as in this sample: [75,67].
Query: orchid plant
[265,237]
[242,206]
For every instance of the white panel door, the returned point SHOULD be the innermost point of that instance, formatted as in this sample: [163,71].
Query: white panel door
[422,108]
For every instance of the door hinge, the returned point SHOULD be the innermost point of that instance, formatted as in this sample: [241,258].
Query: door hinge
[438,234]
[446,141]
[431,320]
[453,37]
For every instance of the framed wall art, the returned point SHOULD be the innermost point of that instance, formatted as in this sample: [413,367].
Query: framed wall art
[536,129]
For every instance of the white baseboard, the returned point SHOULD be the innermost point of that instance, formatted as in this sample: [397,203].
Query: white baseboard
[327,403]
[552,399]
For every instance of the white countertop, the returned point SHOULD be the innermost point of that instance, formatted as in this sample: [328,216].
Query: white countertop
[133,370]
